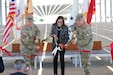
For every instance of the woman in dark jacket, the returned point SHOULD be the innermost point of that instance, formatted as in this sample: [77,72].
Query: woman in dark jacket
[1,63]
[59,32]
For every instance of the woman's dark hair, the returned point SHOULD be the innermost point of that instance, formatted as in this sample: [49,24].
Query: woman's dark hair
[60,17]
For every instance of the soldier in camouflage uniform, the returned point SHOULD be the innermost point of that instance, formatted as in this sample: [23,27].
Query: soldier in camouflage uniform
[29,34]
[84,41]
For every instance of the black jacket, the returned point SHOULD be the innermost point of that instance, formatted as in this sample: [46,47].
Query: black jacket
[63,36]
[1,65]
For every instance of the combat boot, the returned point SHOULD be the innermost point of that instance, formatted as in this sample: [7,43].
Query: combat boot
[87,73]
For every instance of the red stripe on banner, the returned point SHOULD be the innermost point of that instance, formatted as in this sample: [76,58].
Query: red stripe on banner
[13,9]
[11,13]
[12,4]
[6,39]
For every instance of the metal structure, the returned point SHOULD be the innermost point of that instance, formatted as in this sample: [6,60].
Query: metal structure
[104,12]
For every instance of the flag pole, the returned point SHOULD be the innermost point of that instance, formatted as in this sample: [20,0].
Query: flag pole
[15,21]
[14,27]
[96,25]
[96,20]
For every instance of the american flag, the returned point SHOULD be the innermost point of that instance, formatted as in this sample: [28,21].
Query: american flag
[9,22]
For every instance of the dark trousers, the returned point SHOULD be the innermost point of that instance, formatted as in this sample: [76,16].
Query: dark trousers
[62,62]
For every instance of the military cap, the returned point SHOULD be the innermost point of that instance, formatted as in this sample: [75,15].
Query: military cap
[79,17]
[29,17]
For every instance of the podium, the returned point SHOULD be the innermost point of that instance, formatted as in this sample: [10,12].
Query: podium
[16,47]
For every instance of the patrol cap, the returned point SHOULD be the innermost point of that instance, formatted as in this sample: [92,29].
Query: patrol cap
[29,17]
[79,17]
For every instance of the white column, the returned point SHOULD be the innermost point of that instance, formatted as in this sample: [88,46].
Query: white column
[74,12]
[105,10]
[111,10]
[1,13]
[100,12]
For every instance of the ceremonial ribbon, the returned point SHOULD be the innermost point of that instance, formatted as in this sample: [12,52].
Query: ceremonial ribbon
[9,54]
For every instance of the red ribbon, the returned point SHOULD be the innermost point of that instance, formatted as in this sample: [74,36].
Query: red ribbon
[63,46]
[39,53]
[85,51]
[111,47]
[9,54]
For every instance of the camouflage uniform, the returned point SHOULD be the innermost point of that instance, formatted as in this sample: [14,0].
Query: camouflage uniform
[84,42]
[28,45]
